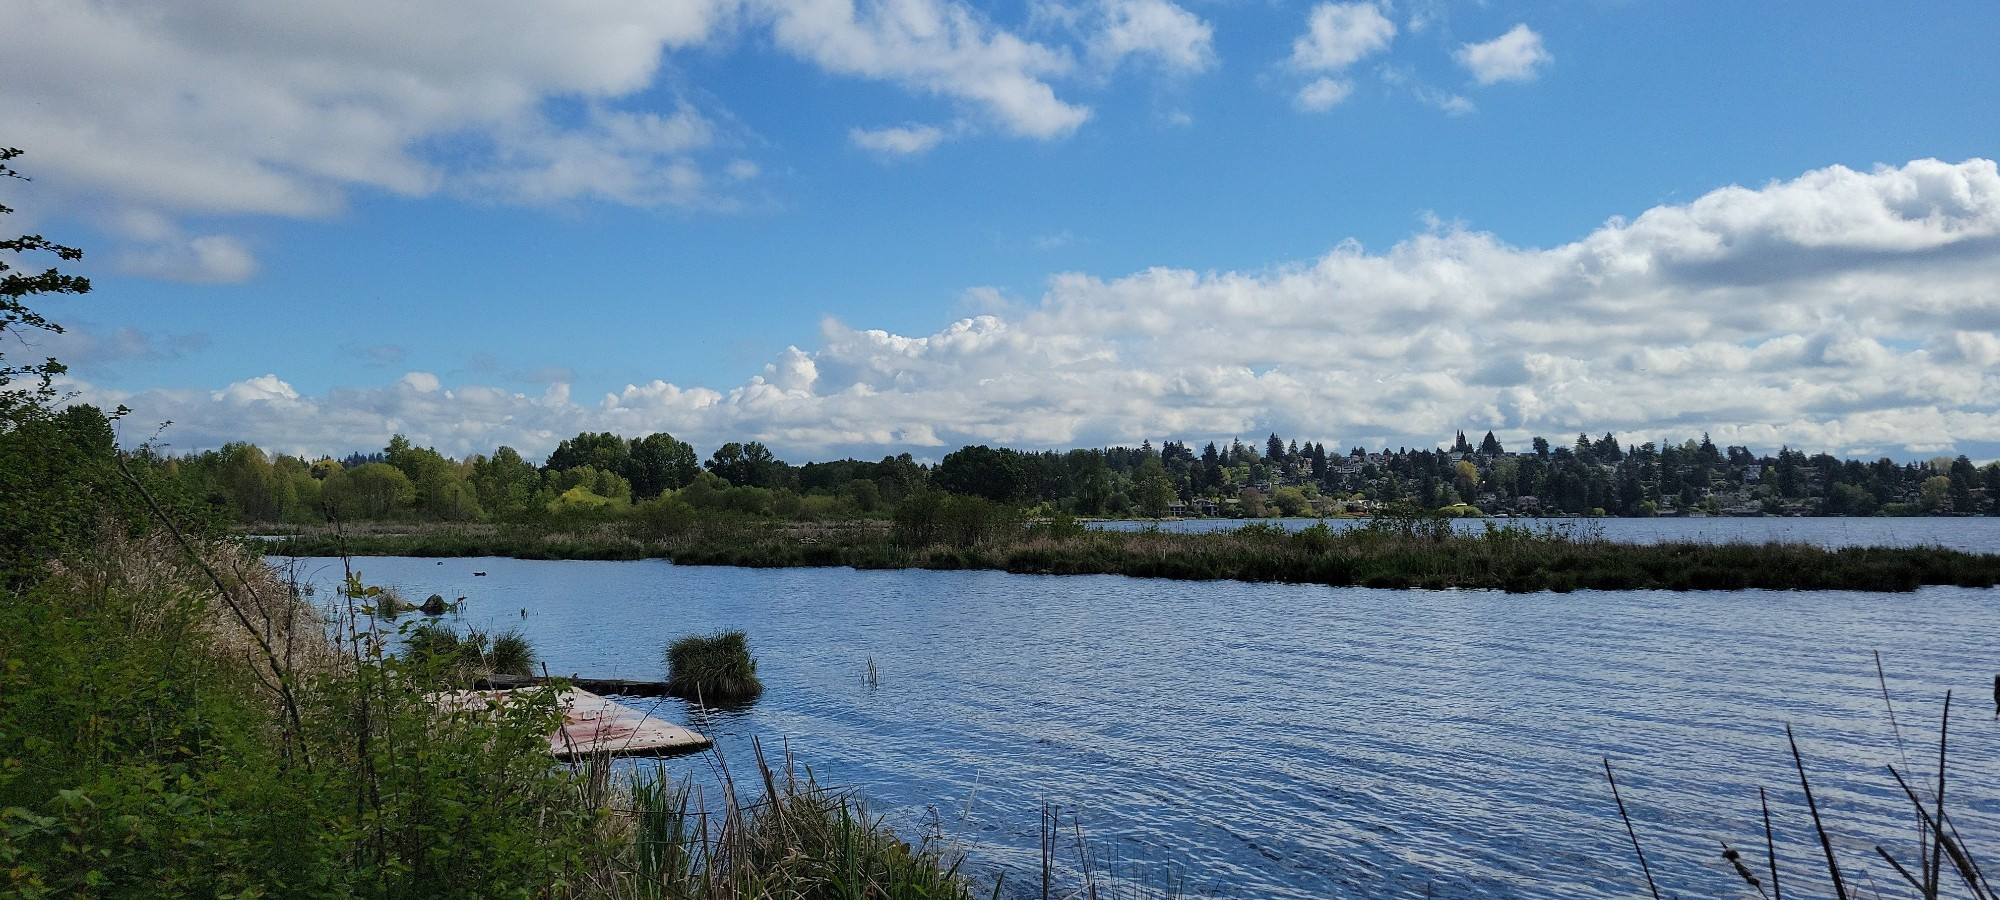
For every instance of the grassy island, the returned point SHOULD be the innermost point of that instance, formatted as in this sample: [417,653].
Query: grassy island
[1394,551]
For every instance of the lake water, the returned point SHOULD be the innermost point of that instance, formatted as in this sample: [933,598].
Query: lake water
[1302,741]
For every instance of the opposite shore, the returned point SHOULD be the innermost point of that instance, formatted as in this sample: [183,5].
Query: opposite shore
[1391,551]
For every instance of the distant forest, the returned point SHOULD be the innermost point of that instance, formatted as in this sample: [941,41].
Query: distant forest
[604,476]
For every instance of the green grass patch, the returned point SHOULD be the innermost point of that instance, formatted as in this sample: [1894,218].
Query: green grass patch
[1392,551]
[715,668]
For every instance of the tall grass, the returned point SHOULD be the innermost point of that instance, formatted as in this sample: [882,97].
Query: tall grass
[176,726]
[714,668]
[512,654]
[1397,551]
[1944,864]
[790,837]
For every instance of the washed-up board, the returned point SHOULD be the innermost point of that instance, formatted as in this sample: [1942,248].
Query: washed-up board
[594,724]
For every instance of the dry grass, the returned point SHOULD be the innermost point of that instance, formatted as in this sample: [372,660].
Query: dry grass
[274,611]
[785,837]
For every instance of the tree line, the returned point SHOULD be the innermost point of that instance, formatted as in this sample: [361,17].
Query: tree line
[604,475]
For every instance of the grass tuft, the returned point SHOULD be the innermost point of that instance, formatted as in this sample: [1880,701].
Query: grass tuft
[713,669]
[792,838]
[512,654]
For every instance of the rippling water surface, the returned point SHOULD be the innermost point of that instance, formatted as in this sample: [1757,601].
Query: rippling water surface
[1302,741]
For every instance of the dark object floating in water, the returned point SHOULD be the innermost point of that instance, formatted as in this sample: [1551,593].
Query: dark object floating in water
[619,686]
[479,574]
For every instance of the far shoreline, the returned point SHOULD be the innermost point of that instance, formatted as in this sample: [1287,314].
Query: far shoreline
[1387,552]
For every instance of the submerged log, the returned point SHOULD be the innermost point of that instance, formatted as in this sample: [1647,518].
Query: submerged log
[619,686]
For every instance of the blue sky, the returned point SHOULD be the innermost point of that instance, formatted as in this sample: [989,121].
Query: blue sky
[869,227]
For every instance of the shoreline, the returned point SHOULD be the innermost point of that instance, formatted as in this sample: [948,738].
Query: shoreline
[1389,554]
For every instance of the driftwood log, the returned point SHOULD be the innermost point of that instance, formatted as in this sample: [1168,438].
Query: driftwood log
[619,686]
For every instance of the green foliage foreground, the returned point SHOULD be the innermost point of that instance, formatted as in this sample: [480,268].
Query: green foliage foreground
[145,751]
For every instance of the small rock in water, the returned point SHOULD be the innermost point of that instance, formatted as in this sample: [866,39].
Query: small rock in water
[433,605]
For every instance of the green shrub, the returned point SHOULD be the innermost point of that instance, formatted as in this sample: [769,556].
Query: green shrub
[716,668]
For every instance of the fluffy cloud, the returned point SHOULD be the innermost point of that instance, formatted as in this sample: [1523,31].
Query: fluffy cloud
[236,106]
[1156,29]
[1837,311]
[1517,55]
[1338,35]
[1842,310]
[935,46]
[228,108]
[239,107]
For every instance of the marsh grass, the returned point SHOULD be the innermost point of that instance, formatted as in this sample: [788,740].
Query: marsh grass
[1943,863]
[786,837]
[1406,550]
[512,654]
[714,668]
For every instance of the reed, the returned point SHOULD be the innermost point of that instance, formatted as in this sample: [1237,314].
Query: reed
[511,654]
[789,838]
[1944,865]
[715,668]
[1389,552]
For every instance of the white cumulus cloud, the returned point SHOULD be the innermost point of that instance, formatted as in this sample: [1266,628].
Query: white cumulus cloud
[1517,55]
[221,109]
[1839,310]
[936,46]
[1177,39]
[1339,35]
